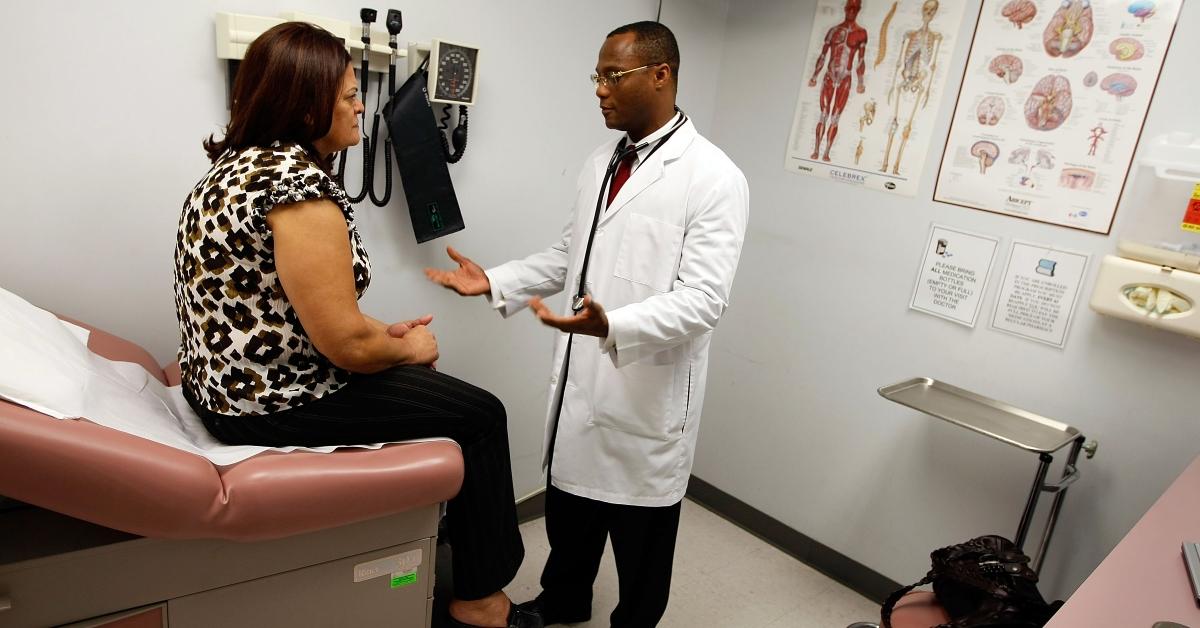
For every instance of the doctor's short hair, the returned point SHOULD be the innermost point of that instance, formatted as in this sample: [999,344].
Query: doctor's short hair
[654,43]
[285,89]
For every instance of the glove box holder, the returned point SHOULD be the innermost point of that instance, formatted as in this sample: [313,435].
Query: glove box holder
[1160,249]
[1118,274]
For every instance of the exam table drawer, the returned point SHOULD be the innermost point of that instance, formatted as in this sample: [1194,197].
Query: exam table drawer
[153,617]
[320,595]
[99,576]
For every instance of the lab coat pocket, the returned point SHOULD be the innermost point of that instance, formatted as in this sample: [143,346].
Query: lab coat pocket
[636,399]
[649,250]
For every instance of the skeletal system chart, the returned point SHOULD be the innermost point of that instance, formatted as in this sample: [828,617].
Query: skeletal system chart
[872,83]
[1051,106]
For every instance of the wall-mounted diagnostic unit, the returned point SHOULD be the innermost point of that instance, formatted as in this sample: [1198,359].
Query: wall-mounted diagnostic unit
[441,72]
[1155,278]
[235,31]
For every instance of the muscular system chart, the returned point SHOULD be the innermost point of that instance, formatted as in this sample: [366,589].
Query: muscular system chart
[872,83]
[1051,106]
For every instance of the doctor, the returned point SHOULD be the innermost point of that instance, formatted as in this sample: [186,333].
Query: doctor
[664,236]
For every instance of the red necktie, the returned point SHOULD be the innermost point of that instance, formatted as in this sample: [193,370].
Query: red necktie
[621,176]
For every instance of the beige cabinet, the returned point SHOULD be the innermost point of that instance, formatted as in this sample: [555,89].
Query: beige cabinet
[58,571]
[320,595]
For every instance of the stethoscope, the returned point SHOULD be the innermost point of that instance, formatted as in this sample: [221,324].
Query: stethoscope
[619,154]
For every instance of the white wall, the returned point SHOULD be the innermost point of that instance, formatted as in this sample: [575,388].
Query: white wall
[819,320]
[101,128]
[699,27]
[102,144]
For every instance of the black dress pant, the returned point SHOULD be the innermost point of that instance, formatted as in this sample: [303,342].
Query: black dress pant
[643,540]
[415,402]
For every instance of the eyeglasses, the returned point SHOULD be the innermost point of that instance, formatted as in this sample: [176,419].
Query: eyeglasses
[612,78]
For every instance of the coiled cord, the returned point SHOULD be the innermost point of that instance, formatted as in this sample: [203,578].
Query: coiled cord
[458,137]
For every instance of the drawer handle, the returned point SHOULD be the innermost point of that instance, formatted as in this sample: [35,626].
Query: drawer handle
[5,604]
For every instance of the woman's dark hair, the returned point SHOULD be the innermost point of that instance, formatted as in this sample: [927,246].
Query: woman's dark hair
[285,89]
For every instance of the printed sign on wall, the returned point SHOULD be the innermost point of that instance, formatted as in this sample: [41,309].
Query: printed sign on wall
[954,274]
[1039,292]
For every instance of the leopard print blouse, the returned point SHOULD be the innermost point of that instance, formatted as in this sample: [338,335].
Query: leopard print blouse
[243,350]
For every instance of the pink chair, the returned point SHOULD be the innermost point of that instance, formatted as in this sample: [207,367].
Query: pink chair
[918,609]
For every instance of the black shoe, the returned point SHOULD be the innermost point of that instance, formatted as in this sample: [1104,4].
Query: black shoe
[517,618]
[537,606]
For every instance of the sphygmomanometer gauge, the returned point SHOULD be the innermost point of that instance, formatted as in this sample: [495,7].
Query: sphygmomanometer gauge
[454,73]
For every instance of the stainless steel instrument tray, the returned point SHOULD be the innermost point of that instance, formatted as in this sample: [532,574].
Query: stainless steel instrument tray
[977,413]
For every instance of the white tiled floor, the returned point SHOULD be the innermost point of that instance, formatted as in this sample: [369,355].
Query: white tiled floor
[724,578]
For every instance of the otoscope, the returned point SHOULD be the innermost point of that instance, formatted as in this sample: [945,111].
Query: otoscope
[368,18]
[395,23]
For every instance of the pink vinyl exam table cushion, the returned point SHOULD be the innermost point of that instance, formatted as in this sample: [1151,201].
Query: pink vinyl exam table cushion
[121,481]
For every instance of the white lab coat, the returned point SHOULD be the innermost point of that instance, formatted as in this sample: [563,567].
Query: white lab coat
[662,265]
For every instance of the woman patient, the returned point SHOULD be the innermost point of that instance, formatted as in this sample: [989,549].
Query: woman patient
[268,272]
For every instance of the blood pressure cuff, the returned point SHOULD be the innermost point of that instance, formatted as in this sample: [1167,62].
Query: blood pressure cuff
[432,204]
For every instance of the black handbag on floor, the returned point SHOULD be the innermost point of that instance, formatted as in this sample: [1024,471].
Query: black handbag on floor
[983,583]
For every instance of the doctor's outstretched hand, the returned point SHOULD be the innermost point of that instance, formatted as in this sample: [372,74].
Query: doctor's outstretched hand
[468,279]
[590,321]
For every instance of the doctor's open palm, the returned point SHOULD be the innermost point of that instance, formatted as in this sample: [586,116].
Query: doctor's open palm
[468,279]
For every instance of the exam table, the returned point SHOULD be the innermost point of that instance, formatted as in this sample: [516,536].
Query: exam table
[102,528]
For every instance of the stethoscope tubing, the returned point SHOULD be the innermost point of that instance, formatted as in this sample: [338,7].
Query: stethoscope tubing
[577,305]
[619,154]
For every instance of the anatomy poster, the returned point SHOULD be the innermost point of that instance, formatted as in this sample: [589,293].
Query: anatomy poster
[1051,107]
[872,85]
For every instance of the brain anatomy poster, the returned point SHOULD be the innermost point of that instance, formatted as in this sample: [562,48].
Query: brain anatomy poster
[870,92]
[1052,103]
